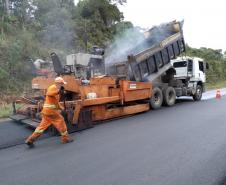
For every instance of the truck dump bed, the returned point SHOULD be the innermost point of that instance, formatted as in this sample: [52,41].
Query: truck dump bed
[166,43]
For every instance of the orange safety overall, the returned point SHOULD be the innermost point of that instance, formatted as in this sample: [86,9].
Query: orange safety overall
[51,116]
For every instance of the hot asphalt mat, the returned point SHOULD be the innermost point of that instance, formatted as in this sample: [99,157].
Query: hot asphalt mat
[12,133]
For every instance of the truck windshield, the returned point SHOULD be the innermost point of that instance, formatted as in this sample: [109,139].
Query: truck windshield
[180,64]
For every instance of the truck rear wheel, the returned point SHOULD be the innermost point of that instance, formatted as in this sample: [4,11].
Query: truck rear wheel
[198,94]
[169,96]
[156,98]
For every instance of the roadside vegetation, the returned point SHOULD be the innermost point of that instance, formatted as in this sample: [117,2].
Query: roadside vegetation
[32,29]
[216,85]
[5,110]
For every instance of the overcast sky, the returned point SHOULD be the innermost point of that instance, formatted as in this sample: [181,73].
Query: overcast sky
[204,21]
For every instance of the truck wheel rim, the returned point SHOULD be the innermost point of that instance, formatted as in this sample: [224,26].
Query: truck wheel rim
[198,92]
[156,98]
[171,94]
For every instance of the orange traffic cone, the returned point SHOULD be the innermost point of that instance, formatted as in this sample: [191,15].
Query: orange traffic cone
[218,94]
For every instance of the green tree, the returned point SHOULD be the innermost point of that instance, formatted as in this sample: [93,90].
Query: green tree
[34,28]
[22,10]
[4,13]
[95,23]
[54,24]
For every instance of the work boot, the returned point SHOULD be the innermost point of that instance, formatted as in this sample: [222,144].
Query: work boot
[30,144]
[68,141]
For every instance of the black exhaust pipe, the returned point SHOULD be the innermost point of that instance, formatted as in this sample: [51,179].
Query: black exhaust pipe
[57,64]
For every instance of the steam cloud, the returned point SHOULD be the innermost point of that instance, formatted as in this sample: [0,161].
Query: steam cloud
[124,45]
[57,27]
[133,41]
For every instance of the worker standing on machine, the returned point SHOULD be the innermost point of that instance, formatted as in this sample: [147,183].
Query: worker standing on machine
[51,114]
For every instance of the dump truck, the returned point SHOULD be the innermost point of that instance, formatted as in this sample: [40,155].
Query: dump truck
[96,92]
[171,76]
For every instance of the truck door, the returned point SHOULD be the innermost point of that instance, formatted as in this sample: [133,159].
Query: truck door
[201,72]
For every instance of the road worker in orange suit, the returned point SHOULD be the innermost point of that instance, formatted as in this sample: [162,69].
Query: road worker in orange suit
[51,114]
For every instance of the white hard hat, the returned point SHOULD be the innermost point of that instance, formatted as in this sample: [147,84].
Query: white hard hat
[60,80]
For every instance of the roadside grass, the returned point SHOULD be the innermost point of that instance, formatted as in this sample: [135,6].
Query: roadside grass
[5,110]
[216,85]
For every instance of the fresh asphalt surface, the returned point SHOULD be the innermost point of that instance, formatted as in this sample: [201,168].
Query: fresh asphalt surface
[181,145]
[12,134]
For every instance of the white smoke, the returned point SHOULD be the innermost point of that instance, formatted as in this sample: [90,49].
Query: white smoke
[134,41]
[123,45]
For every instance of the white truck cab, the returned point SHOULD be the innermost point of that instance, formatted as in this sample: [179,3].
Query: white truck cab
[193,70]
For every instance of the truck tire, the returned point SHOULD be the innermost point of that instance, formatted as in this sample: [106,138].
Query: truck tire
[198,94]
[156,98]
[169,96]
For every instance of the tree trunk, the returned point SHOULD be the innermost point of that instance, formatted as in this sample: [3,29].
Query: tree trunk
[2,29]
[7,7]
